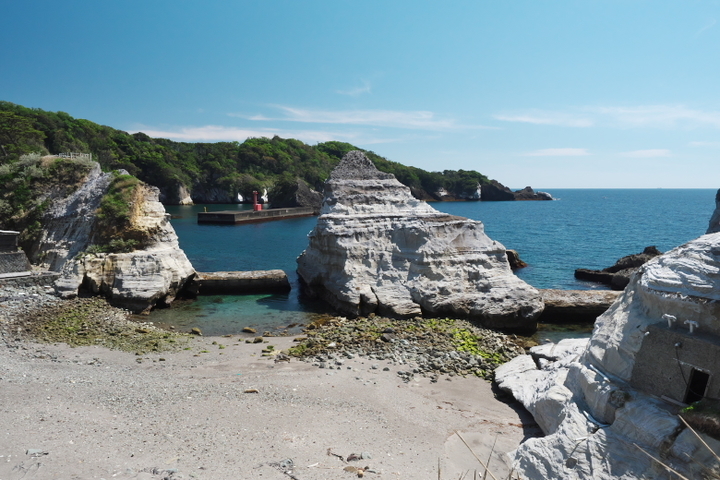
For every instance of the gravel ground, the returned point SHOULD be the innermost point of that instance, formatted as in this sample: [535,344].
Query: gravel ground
[216,408]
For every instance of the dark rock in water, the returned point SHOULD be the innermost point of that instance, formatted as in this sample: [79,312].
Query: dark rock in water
[575,306]
[497,192]
[618,276]
[295,194]
[515,260]
[528,193]
[714,226]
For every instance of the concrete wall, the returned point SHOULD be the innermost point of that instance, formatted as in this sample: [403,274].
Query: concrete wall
[661,368]
[43,279]
[14,262]
[211,283]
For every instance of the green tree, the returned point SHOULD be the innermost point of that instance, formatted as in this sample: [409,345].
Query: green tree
[17,136]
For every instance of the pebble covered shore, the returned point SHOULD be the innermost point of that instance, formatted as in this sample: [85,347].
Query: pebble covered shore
[222,408]
[426,347]
[35,313]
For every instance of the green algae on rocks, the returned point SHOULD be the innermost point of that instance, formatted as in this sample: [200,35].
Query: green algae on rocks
[92,321]
[430,346]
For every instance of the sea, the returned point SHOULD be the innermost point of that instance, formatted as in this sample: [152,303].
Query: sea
[582,228]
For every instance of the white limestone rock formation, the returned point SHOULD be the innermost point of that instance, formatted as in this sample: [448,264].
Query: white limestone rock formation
[69,221]
[138,280]
[598,403]
[376,248]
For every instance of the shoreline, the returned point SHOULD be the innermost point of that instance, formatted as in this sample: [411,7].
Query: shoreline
[101,413]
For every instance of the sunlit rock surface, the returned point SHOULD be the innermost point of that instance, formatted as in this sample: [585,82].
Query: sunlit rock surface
[600,403]
[375,248]
[137,280]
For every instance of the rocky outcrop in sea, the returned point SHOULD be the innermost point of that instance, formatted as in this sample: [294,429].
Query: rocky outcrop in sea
[497,192]
[136,280]
[376,249]
[604,402]
[618,276]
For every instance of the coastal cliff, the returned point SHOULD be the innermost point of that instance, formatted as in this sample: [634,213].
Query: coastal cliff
[129,253]
[601,401]
[376,248]
[150,275]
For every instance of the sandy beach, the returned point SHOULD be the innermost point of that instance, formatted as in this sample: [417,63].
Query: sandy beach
[220,410]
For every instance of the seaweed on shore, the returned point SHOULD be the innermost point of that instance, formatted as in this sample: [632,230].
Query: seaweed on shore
[91,321]
[431,346]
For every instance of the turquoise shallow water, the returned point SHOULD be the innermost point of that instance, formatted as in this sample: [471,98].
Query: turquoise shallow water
[582,229]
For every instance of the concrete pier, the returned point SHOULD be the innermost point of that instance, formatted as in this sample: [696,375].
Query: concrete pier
[259,281]
[575,306]
[232,217]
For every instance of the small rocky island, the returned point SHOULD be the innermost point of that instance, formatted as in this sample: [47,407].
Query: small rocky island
[495,191]
[377,249]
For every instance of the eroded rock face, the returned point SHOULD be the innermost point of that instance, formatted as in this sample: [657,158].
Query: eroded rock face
[297,195]
[136,280]
[68,223]
[714,226]
[375,248]
[597,401]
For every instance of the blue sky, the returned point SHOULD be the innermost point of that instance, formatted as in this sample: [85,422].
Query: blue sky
[545,93]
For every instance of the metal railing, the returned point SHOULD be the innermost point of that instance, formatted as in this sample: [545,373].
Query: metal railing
[73,155]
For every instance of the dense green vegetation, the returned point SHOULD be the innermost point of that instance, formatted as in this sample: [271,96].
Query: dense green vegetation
[113,217]
[26,185]
[209,170]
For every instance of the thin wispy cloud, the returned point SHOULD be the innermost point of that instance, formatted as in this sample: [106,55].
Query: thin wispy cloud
[660,116]
[217,133]
[649,116]
[547,118]
[559,152]
[709,25]
[704,144]
[354,92]
[421,119]
[651,153]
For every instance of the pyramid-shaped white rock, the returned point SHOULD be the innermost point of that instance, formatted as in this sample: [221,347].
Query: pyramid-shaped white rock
[376,248]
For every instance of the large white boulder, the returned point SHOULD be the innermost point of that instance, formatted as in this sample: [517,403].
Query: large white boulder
[601,404]
[376,248]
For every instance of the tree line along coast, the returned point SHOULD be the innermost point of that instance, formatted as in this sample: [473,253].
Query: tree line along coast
[221,172]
